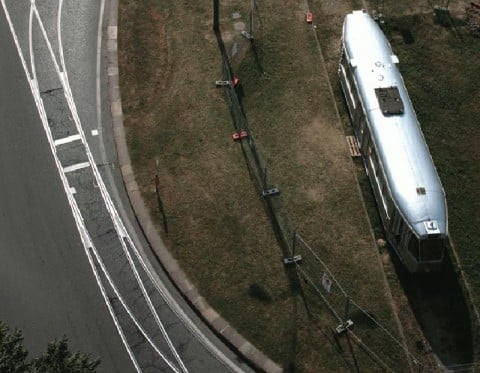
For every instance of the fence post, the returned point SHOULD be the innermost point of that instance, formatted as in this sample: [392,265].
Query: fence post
[347,307]
[265,178]
[215,15]
[293,243]
[159,199]
[250,31]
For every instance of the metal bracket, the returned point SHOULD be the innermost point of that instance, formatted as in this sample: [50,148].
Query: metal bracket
[292,260]
[222,83]
[270,192]
[343,327]
[246,35]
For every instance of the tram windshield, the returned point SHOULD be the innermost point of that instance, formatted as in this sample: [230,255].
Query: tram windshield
[432,249]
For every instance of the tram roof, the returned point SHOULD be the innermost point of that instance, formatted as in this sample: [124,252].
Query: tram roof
[410,172]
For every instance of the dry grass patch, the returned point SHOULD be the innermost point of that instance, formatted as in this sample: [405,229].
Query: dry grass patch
[218,228]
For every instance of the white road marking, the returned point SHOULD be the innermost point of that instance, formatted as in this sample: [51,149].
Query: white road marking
[98,66]
[130,314]
[67,139]
[75,167]
[118,224]
[120,229]
[152,275]
[75,211]
[45,37]
[109,204]
[94,132]
[30,40]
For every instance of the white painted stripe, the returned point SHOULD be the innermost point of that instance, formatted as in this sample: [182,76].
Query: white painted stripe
[106,197]
[86,240]
[129,312]
[118,223]
[116,220]
[67,139]
[98,66]
[75,167]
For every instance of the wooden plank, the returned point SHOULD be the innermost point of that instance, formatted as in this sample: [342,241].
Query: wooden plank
[353,146]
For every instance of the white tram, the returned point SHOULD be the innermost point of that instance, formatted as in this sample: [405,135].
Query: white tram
[406,185]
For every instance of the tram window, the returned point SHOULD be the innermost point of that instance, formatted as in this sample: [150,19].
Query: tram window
[432,249]
[347,74]
[363,123]
[365,141]
[373,160]
[413,247]
[347,70]
[402,230]
[397,220]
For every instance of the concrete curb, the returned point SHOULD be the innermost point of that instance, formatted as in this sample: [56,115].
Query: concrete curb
[223,329]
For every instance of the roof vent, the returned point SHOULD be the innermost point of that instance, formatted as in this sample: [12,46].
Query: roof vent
[421,191]
[389,100]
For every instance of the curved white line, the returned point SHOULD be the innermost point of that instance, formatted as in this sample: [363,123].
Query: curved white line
[87,242]
[41,110]
[172,304]
[59,32]
[120,229]
[128,310]
[30,41]
[97,69]
[166,296]
[187,322]
[45,37]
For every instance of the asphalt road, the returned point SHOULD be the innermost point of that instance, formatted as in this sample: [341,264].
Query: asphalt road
[49,288]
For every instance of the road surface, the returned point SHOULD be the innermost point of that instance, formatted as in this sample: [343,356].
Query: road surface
[72,260]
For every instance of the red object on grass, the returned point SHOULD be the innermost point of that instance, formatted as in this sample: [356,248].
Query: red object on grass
[243,134]
[309,17]
[235,136]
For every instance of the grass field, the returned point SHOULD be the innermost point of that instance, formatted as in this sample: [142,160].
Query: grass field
[217,225]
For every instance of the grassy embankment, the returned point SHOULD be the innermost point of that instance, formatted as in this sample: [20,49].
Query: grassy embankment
[218,228]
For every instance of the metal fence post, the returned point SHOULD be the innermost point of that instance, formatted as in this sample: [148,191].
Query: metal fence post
[265,178]
[347,307]
[215,15]
[293,243]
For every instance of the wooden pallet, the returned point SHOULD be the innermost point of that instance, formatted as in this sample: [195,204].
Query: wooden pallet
[353,146]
